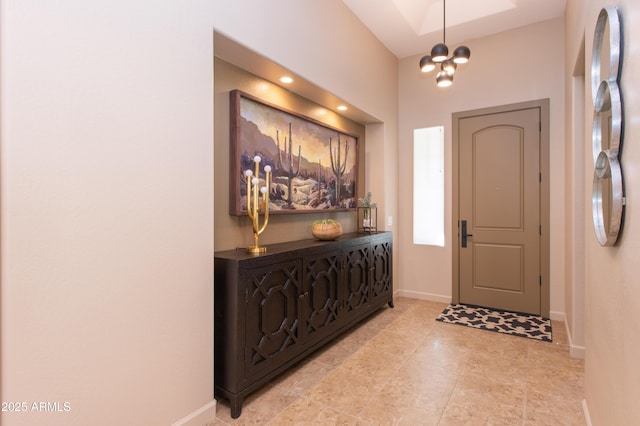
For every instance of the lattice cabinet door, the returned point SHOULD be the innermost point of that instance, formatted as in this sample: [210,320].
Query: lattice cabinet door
[357,281]
[382,275]
[321,299]
[272,299]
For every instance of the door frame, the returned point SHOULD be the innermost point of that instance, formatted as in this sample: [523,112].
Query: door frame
[545,196]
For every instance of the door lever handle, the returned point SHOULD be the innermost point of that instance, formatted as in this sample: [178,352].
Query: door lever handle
[463,233]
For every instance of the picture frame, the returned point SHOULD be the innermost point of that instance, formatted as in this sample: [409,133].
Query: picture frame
[314,166]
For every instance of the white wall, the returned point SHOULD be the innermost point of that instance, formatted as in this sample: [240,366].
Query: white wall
[577,213]
[612,375]
[515,66]
[107,189]
[107,209]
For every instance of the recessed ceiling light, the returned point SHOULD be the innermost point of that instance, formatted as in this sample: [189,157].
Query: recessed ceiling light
[342,108]
[286,79]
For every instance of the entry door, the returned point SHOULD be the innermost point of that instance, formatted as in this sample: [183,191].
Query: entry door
[499,205]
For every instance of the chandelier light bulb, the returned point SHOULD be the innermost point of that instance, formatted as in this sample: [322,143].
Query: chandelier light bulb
[444,79]
[461,55]
[427,64]
[439,52]
[449,66]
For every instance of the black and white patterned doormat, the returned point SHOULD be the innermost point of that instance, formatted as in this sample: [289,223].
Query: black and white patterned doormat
[515,324]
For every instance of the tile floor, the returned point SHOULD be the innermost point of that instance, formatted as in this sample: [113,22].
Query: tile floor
[401,367]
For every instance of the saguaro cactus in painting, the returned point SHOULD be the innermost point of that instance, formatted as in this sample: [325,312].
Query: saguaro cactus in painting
[338,165]
[288,169]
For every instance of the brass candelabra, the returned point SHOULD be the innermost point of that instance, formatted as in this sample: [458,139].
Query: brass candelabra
[258,202]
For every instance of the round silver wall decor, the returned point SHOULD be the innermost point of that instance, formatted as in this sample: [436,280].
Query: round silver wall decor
[605,59]
[607,119]
[607,196]
[607,199]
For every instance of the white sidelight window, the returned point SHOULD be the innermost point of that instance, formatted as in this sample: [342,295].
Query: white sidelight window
[428,186]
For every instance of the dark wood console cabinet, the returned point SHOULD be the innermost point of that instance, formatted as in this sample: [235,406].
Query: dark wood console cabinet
[274,309]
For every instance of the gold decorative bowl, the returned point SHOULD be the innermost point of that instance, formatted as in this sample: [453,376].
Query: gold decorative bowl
[326,230]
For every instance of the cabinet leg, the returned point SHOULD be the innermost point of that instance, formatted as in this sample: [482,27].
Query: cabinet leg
[390,303]
[235,403]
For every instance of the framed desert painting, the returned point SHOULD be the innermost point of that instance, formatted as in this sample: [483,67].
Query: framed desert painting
[314,167]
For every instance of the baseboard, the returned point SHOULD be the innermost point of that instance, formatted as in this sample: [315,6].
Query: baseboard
[575,351]
[585,412]
[201,417]
[557,316]
[423,296]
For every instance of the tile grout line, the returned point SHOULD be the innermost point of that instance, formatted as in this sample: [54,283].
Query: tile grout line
[526,384]
[453,389]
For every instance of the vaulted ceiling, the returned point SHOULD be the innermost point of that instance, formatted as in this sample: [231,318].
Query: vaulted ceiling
[412,27]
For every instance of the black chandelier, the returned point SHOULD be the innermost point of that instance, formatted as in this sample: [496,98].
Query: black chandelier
[440,55]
